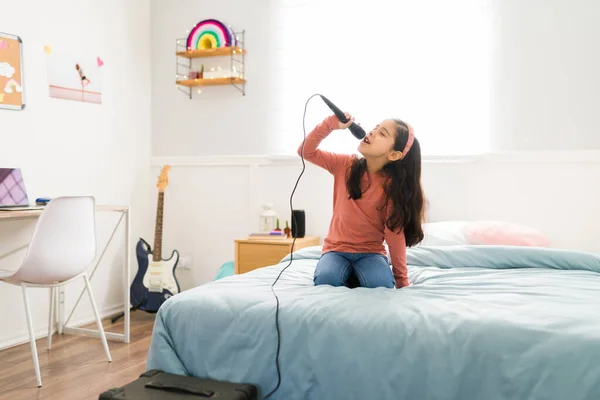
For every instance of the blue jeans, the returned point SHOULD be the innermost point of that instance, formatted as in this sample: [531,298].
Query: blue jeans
[371,269]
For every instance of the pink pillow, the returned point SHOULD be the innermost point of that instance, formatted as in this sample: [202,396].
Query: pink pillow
[504,233]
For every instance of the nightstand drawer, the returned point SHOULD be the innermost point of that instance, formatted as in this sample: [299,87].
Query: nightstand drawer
[253,254]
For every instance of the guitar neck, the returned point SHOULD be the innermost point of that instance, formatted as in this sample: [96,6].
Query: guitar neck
[157,252]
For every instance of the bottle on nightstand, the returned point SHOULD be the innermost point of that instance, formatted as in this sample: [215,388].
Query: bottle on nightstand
[267,219]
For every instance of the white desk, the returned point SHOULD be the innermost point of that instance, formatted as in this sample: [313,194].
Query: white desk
[124,213]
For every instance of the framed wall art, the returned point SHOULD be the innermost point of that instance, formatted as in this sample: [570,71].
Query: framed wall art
[12,95]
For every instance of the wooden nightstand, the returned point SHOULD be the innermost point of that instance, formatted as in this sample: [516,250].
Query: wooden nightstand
[253,254]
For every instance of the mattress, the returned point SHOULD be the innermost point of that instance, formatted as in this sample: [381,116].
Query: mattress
[478,322]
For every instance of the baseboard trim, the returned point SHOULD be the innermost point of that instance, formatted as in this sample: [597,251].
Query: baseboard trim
[11,341]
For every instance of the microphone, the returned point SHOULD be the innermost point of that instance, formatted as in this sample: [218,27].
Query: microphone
[356,130]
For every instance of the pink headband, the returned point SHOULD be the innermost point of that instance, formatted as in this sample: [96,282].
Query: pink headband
[409,142]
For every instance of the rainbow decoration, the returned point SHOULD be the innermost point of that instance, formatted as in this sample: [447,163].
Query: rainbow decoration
[210,34]
[12,85]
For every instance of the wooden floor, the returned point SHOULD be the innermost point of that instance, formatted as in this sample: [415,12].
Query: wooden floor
[76,366]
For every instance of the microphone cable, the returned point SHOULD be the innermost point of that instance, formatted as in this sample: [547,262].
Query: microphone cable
[294,224]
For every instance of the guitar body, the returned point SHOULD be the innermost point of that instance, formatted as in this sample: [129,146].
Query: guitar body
[138,292]
[155,281]
[160,280]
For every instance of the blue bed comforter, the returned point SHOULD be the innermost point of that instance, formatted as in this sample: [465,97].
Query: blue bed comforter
[479,322]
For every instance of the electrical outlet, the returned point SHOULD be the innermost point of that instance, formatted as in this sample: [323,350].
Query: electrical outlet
[184,263]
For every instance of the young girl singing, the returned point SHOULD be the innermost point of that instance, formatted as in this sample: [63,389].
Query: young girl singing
[376,197]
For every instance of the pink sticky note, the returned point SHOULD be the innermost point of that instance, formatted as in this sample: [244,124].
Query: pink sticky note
[100,62]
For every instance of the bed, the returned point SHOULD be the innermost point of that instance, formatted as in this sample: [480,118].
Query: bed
[478,322]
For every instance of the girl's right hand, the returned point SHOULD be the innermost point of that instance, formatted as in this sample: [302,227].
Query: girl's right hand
[346,125]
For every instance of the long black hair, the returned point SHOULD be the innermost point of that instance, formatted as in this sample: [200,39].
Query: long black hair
[402,188]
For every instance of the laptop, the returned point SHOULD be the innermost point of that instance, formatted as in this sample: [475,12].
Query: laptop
[13,195]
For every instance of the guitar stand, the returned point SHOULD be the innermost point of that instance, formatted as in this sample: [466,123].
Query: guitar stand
[122,314]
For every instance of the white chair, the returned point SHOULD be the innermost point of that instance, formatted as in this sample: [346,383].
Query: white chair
[62,246]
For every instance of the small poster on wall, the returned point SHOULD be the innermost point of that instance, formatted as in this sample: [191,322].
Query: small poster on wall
[75,77]
[12,96]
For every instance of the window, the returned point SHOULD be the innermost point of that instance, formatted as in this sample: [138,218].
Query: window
[427,62]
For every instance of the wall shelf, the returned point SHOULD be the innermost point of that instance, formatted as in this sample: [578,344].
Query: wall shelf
[236,55]
[219,51]
[211,82]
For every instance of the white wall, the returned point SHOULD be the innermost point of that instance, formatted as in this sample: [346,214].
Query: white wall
[550,192]
[220,120]
[68,147]
[547,85]
[546,88]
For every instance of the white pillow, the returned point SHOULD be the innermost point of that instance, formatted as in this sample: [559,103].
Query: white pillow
[445,233]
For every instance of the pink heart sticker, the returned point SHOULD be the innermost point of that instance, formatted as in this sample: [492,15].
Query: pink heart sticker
[100,62]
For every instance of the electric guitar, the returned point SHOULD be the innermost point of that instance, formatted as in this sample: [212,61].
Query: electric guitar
[155,280]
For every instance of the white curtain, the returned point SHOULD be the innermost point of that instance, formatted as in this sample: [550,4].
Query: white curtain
[427,62]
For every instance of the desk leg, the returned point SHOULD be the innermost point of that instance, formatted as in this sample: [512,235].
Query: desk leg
[127,276]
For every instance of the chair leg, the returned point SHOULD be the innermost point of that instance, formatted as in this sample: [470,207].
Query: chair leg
[34,354]
[51,317]
[98,320]
[59,311]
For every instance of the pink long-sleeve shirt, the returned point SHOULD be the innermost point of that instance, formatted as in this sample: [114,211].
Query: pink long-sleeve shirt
[357,226]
